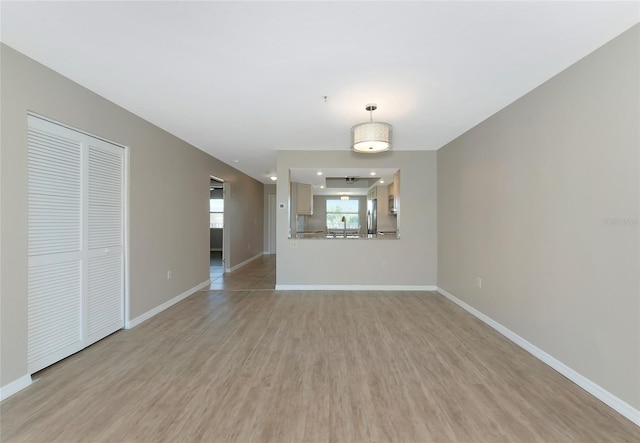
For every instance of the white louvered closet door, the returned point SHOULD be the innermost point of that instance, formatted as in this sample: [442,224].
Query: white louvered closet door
[55,246]
[75,275]
[105,289]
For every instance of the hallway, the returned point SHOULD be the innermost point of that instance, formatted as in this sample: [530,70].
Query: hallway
[258,274]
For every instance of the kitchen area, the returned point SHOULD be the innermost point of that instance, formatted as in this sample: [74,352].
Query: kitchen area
[344,204]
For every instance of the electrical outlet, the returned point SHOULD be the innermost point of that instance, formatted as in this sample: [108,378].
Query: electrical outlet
[479,282]
[293,244]
[385,264]
[169,274]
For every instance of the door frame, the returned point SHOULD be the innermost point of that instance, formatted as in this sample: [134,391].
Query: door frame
[271,224]
[225,221]
[226,224]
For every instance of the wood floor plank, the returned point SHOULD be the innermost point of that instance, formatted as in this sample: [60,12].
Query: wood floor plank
[246,363]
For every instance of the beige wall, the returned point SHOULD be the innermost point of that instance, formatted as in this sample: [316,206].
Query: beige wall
[411,261]
[168,199]
[525,201]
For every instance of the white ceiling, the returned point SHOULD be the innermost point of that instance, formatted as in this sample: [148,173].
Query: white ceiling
[241,80]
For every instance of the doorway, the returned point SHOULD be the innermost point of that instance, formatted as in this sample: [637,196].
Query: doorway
[216,228]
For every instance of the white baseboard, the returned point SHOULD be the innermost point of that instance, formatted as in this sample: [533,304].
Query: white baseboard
[155,311]
[355,288]
[15,386]
[594,389]
[239,265]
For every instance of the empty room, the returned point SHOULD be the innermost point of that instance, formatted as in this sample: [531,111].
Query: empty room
[320,221]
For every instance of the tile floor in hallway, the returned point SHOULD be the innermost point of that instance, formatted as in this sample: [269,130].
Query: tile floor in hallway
[257,274]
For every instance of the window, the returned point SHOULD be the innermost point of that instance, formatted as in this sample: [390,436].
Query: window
[216,212]
[349,209]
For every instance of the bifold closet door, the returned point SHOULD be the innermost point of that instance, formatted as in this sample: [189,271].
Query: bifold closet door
[105,277]
[75,229]
[55,245]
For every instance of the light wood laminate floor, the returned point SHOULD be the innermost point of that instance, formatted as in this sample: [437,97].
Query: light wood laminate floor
[257,365]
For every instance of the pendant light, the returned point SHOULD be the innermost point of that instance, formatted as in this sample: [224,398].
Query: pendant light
[371,137]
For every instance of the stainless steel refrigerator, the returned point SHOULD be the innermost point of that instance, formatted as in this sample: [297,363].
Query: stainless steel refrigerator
[372,216]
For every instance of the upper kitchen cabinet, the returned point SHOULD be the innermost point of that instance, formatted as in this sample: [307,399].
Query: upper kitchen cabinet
[304,199]
[394,194]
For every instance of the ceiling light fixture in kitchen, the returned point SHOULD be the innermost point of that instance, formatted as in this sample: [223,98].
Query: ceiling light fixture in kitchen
[371,137]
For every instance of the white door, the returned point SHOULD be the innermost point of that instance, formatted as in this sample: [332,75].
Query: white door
[75,275]
[105,253]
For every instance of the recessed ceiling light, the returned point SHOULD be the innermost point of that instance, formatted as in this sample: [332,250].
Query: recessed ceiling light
[372,173]
[273,177]
[381,181]
[319,173]
[321,186]
[236,161]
